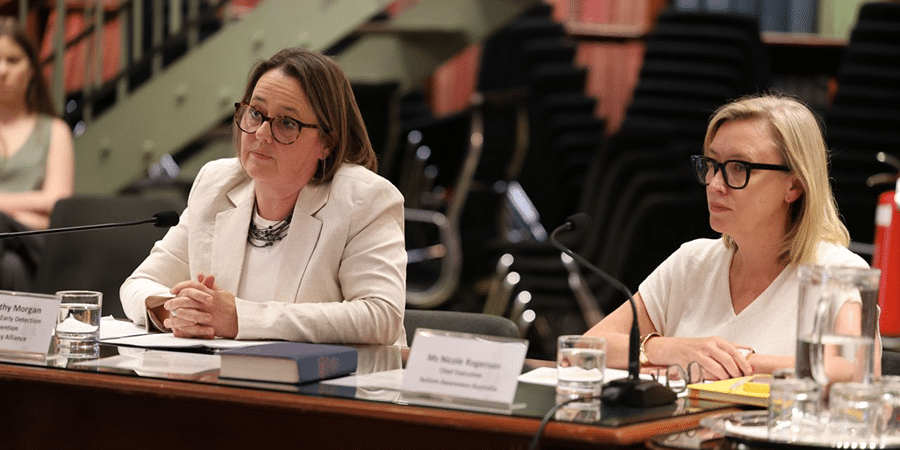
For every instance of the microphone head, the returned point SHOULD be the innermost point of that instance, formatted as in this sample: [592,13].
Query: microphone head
[578,221]
[165,219]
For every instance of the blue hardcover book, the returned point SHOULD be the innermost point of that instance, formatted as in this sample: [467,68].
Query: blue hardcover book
[288,362]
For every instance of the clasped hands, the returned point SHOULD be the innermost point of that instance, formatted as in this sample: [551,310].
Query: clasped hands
[200,309]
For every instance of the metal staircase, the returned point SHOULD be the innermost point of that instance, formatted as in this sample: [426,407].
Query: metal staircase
[195,94]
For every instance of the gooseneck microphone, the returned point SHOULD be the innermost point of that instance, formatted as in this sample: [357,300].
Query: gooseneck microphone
[632,390]
[163,219]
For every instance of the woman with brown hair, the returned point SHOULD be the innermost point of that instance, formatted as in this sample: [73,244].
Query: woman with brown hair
[37,165]
[297,238]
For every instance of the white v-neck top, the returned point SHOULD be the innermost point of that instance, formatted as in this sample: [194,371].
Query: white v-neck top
[688,295]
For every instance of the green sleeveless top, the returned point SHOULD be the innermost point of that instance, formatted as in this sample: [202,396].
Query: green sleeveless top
[25,171]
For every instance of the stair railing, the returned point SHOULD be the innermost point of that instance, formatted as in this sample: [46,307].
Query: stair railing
[132,55]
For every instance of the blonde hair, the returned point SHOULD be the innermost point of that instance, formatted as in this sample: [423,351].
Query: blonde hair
[813,217]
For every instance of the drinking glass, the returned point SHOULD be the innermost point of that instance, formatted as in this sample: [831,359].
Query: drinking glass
[890,385]
[580,361]
[855,414]
[587,411]
[78,323]
[836,323]
[794,405]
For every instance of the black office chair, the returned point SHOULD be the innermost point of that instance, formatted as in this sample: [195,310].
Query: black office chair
[463,322]
[890,362]
[460,165]
[99,260]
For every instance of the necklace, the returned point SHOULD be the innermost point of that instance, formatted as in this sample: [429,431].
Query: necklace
[268,236]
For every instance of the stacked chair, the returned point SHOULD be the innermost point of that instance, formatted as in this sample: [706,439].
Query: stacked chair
[712,58]
[377,104]
[530,83]
[492,171]
[864,118]
[639,189]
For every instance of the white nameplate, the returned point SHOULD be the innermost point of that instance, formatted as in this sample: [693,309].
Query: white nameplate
[464,366]
[27,322]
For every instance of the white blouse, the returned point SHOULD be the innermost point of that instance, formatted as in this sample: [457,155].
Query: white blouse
[689,295]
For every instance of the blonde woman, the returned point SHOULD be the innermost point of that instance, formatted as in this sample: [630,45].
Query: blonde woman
[714,301]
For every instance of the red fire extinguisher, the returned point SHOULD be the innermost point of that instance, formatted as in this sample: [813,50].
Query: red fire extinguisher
[887,253]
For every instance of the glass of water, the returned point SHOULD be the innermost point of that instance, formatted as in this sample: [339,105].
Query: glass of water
[890,387]
[856,414]
[580,361]
[794,405]
[78,323]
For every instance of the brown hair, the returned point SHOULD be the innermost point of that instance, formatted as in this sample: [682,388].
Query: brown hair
[331,97]
[37,97]
[814,216]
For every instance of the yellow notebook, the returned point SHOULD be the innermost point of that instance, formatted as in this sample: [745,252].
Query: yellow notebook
[751,390]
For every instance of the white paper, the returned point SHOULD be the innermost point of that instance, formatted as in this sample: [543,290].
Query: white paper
[168,340]
[111,328]
[389,379]
[547,376]
[157,363]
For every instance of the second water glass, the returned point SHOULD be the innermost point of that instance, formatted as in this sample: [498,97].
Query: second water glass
[580,362]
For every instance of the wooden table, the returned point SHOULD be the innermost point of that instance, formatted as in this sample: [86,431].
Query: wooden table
[64,408]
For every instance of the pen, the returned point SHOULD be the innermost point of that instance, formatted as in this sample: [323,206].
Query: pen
[750,384]
[741,382]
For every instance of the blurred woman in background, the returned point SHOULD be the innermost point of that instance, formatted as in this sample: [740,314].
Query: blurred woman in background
[36,157]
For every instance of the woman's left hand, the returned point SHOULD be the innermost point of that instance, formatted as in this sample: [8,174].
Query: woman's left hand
[201,309]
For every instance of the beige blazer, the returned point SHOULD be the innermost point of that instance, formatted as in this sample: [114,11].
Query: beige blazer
[343,278]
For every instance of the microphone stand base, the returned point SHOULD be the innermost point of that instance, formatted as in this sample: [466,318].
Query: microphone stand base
[637,393]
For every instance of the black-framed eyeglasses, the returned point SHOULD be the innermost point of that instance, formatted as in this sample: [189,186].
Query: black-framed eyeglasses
[678,378]
[736,173]
[285,130]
